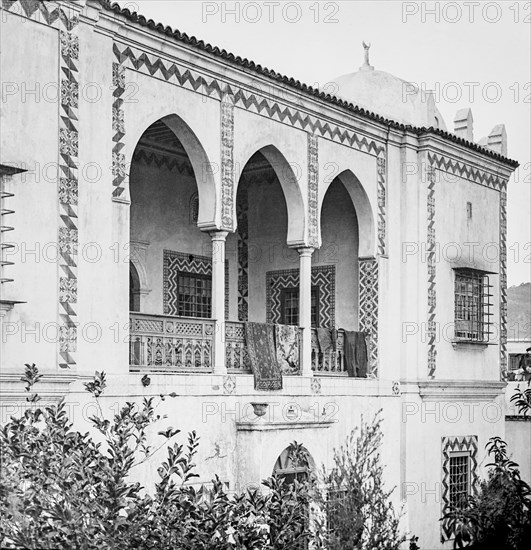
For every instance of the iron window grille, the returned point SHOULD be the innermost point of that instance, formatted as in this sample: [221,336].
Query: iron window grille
[290,306]
[194,295]
[459,485]
[472,306]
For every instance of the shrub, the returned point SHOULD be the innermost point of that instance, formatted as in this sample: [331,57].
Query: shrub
[60,488]
[358,512]
[499,516]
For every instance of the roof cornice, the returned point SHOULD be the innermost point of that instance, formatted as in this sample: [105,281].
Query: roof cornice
[270,74]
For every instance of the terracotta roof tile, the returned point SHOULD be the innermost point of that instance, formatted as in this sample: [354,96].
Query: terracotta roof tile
[264,71]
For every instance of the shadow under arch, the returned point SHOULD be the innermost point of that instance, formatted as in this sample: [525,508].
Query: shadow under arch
[291,190]
[203,172]
[364,212]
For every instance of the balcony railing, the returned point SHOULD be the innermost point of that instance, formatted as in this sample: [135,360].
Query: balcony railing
[331,361]
[177,344]
[237,358]
[164,343]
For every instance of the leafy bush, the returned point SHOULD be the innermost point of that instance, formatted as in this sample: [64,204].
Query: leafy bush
[500,515]
[61,489]
[358,512]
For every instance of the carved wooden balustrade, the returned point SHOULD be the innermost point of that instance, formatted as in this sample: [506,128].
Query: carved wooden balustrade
[332,361]
[164,343]
[237,358]
[176,344]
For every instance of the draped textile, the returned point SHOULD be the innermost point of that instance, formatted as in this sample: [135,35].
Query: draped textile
[287,339]
[356,355]
[263,357]
[327,338]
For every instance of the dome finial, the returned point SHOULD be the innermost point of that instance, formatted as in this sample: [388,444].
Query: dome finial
[366,65]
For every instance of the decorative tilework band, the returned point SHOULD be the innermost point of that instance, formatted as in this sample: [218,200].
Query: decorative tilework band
[313,191]
[68,184]
[382,203]
[119,173]
[227,163]
[503,282]
[190,79]
[368,314]
[431,264]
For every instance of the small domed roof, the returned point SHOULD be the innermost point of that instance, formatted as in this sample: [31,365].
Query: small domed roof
[388,96]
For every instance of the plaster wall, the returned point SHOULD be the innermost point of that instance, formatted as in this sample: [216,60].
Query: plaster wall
[29,129]
[453,231]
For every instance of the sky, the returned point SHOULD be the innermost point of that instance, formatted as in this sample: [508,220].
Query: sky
[473,54]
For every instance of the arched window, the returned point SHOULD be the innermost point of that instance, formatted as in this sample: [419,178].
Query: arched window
[134,289]
[295,463]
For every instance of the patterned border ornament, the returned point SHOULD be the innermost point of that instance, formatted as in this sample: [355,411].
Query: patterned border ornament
[68,185]
[432,290]
[190,263]
[457,444]
[368,269]
[119,170]
[382,201]
[465,171]
[190,79]
[322,276]
[313,191]
[503,281]
[242,207]
[227,163]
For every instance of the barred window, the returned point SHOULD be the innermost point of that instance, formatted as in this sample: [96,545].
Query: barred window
[194,295]
[459,479]
[472,305]
[290,306]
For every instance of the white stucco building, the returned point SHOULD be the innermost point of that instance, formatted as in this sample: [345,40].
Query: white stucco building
[162,193]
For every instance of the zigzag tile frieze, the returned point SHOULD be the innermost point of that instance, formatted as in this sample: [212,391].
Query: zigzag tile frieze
[466,171]
[50,13]
[249,101]
[162,161]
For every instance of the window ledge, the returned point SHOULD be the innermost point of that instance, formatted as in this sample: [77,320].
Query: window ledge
[471,344]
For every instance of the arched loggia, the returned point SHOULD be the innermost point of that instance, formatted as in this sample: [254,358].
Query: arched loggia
[270,217]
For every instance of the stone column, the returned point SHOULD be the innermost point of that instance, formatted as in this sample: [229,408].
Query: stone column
[305,309]
[218,299]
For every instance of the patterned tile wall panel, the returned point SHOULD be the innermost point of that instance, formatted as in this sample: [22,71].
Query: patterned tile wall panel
[313,190]
[227,163]
[382,203]
[322,276]
[68,185]
[432,269]
[243,251]
[368,313]
[189,263]
[457,444]
[190,79]
[503,281]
